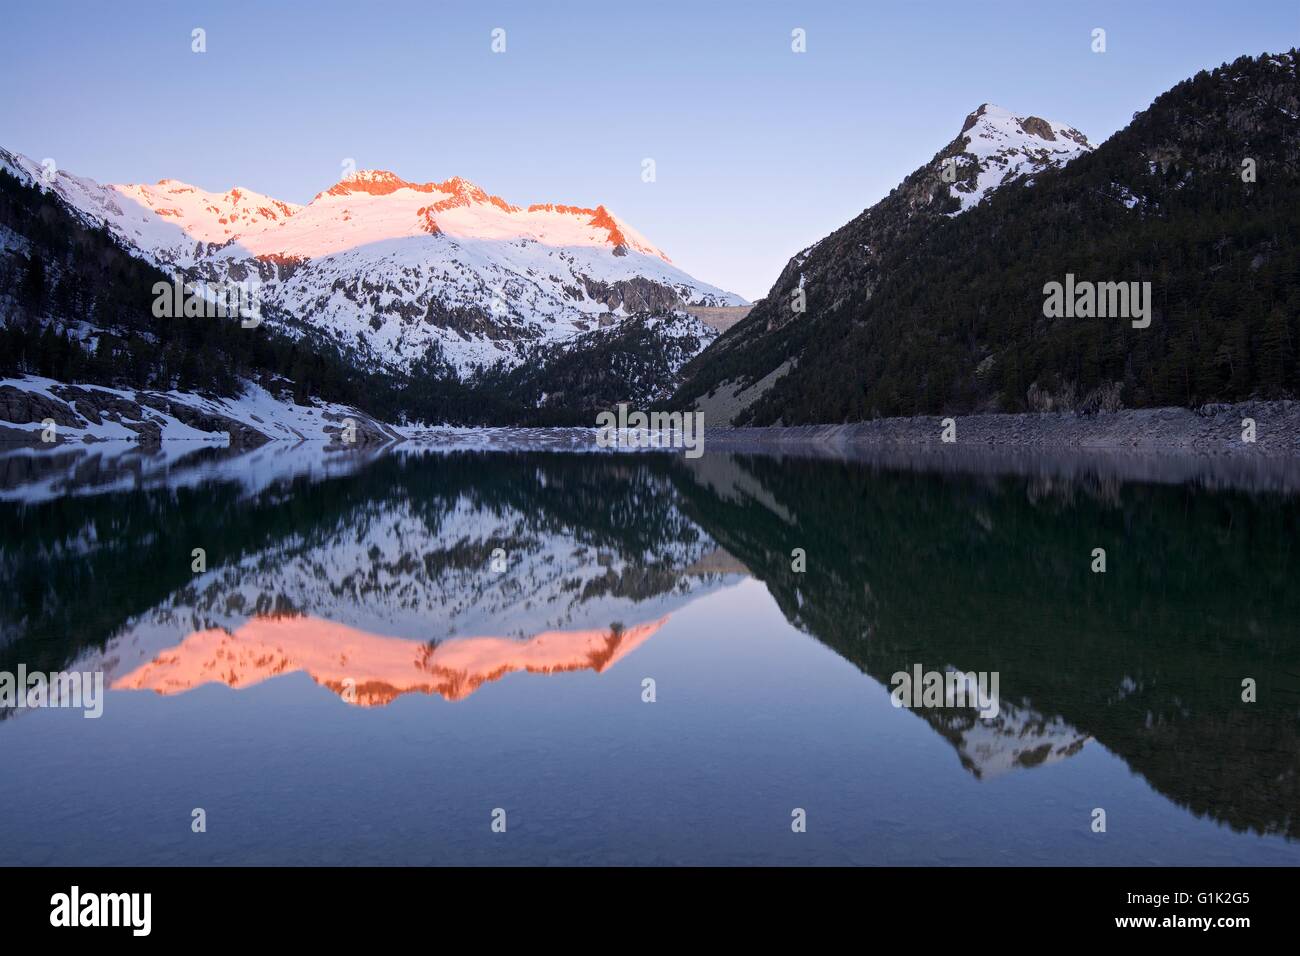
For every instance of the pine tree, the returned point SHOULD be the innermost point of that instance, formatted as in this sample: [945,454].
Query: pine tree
[32,291]
[1274,353]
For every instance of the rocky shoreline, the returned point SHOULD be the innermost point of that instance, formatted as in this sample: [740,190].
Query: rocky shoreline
[96,413]
[1212,429]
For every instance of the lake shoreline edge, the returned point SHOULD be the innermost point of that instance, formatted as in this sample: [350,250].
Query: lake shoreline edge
[1270,427]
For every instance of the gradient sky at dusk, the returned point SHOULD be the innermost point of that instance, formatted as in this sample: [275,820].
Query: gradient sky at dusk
[759,151]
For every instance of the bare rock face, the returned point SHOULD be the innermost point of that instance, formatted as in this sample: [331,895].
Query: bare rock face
[973,117]
[95,406]
[24,408]
[473,321]
[1037,126]
[634,295]
[240,433]
[368,432]
[80,407]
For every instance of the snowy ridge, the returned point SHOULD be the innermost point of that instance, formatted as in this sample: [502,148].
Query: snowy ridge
[396,271]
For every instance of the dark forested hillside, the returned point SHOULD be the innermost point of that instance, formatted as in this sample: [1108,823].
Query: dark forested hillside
[949,315]
[628,362]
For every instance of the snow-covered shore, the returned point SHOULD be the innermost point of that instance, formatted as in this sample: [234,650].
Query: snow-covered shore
[98,413]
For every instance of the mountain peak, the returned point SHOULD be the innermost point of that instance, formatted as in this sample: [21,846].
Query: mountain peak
[991,117]
[996,147]
[974,115]
[376,182]
[460,192]
[459,184]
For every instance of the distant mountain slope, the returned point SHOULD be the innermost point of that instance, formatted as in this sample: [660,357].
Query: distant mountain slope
[993,150]
[395,272]
[909,316]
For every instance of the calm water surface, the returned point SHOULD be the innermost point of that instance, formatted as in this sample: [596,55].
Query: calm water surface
[355,679]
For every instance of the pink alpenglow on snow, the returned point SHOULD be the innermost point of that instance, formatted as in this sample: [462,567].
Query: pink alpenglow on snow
[393,269]
[372,669]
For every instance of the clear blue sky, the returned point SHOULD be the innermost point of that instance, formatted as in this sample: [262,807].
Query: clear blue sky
[759,150]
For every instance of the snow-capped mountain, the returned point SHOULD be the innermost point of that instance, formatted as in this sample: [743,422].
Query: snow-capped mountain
[995,149]
[391,269]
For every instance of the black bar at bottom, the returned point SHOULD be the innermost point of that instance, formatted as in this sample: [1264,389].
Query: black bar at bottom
[339,905]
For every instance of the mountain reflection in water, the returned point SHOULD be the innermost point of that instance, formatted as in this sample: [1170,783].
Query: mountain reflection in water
[370,669]
[376,579]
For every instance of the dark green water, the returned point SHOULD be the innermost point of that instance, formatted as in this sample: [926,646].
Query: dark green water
[355,679]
